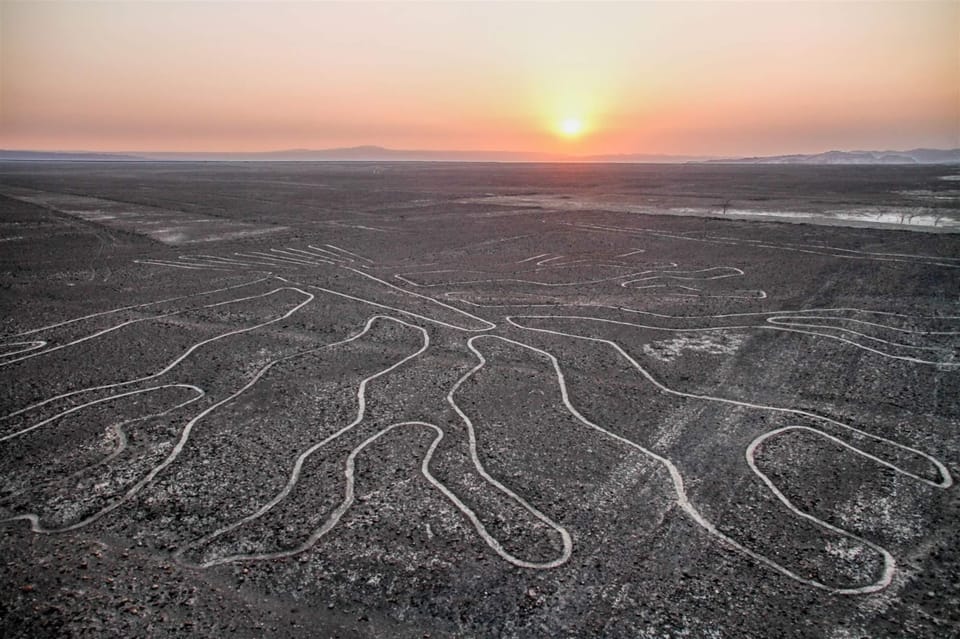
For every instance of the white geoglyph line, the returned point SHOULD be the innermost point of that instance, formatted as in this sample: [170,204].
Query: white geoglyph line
[486,325]
[226,261]
[778,321]
[864,311]
[85,338]
[116,327]
[530,259]
[815,250]
[549,259]
[300,258]
[35,353]
[188,428]
[791,320]
[360,226]
[133,306]
[841,309]
[946,478]
[301,459]
[256,260]
[678,484]
[184,436]
[74,409]
[590,262]
[312,256]
[350,253]
[906,358]
[178,265]
[520,281]
[753,295]
[180,357]
[203,263]
[349,497]
[843,250]
[276,259]
[730,271]
[338,513]
[26,347]
[34,519]
[332,255]
[633,252]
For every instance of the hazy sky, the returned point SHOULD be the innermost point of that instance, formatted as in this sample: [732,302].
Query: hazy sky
[655,77]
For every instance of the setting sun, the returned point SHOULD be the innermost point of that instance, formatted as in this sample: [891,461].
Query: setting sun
[571,127]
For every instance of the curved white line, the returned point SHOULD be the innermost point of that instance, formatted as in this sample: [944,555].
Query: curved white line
[946,478]
[180,357]
[906,358]
[28,346]
[133,306]
[677,479]
[486,325]
[34,519]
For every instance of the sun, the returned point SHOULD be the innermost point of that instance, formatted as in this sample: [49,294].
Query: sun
[571,127]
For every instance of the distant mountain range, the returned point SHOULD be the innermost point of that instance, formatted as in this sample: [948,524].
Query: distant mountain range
[914,156]
[382,154]
[74,156]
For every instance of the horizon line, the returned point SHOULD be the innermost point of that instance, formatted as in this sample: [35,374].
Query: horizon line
[506,156]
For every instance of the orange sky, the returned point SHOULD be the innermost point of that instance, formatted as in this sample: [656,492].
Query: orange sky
[710,78]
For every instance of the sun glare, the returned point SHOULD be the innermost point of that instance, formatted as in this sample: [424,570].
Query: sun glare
[571,127]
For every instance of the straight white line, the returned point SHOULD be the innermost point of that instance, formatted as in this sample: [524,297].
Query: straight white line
[343,250]
[133,306]
[530,259]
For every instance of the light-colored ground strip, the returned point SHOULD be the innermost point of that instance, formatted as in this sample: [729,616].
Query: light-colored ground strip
[917,218]
[813,249]
[946,480]
[163,225]
[669,350]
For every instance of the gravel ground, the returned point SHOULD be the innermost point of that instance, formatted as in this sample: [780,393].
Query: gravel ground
[397,403]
